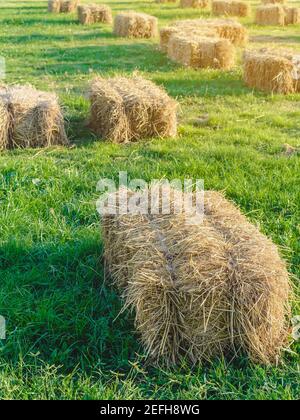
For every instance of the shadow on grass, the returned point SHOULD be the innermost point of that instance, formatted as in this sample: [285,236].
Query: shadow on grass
[277,39]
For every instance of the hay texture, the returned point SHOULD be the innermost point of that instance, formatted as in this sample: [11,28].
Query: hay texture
[195,4]
[62,6]
[135,25]
[200,291]
[30,118]
[228,29]
[270,15]
[272,71]
[292,15]
[230,8]
[94,13]
[198,51]
[129,109]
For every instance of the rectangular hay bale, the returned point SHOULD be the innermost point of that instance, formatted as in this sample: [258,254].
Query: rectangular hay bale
[30,118]
[199,291]
[272,71]
[195,4]
[62,6]
[129,109]
[292,15]
[94,13]
[231,8]
[201,52]
[270,15]
[135,25]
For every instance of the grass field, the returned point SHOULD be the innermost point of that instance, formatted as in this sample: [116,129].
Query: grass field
[65,339]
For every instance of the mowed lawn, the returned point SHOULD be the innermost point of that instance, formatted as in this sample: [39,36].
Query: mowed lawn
[65,337]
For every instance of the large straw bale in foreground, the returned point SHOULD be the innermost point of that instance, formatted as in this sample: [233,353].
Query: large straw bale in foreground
[229,29]
[201,52]
[62,6]
[272,71]
[94,13]
[135,25]
[231,8]
[126,109]
[270,15]
[200,291]
[30,118]
[195,4]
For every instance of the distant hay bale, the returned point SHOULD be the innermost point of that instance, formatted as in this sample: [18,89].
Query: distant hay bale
[273,1]
[198,51]
[272,71]
[135,25]
[94,13]
[62,6]
[129,109]
[200,291]
[195,4]
[228,29]
[270,15]
[230,8]
[292,15]
[30,118]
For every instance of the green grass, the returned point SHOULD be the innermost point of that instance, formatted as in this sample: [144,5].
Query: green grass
[65,338]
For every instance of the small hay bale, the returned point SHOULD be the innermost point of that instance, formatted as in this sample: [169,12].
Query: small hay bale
[94,13]
[129,109]
[292,15]
[54,6]
[272,71]
[30,118]
[195,4]
[230,8]
[200,291]
[229,29]
[201,52]
[270,15]
[273,1]
[135,25]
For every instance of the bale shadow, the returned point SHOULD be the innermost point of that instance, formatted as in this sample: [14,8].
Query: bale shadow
[275,39]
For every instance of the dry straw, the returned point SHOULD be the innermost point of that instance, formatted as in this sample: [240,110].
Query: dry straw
[272,71]
[231,8]
[292,15]
[228,29]
[128,109]
[62,6]
[200,291]
[94,13]
[135,25]
[30,118]
[200,51]
[270,15]
[195,4]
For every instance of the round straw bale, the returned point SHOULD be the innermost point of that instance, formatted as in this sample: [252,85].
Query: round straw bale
[128,109]
[94,13]
[34,118]
[230,8]
[135,25]
[270,15]
[195,4]
[200,291]
[272,71]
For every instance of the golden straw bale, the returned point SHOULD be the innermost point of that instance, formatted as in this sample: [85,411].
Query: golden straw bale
[54,6]
[128,109]
[135,25]
[198,51]
[270,15]
[94,13]
[230,8]
[30,118]
[292,15]
[200,291]
[229,29]
[272,71]
[195,4]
